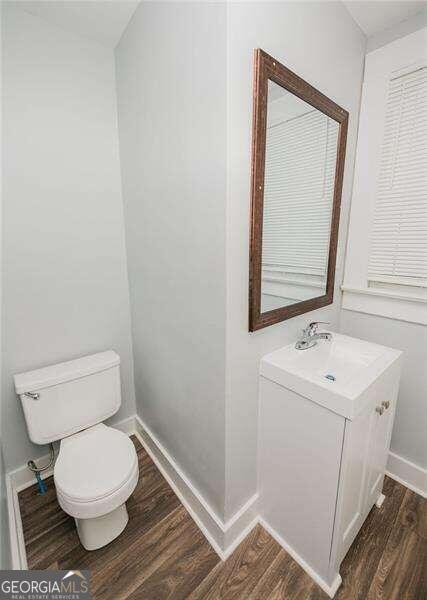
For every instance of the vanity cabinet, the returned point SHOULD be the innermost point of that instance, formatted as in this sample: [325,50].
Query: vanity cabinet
[322,463]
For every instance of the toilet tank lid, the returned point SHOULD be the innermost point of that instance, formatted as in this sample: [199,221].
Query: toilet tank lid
[66,371]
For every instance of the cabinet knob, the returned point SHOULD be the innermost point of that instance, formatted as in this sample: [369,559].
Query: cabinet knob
[380,410]
[386,404]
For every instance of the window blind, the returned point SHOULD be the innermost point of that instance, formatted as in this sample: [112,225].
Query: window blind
[398,252]
[298,193]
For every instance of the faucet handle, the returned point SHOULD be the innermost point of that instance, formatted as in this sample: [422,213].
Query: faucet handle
[314,325]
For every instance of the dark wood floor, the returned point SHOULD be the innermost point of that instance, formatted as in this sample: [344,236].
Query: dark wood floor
[162,553]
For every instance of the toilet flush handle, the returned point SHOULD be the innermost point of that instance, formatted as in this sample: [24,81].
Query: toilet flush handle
[32,395]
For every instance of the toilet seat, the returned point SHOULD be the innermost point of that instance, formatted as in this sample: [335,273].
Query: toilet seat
[96,471]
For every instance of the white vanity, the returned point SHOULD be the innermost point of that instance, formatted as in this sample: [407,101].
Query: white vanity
[326,415]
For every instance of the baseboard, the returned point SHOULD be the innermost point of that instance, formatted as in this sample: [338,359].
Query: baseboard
[328,589]
[240,525]
[202,514]
[407,473]
[223,537]
[16,535]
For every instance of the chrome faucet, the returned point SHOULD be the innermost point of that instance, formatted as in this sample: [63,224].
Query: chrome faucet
[310,335]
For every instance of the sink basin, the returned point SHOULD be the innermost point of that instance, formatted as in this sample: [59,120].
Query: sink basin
[334,374]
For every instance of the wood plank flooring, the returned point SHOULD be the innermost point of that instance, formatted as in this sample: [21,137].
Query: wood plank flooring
[163,555]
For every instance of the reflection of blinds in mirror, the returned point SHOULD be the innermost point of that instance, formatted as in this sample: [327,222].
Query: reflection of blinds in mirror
[298,193]
[399,238]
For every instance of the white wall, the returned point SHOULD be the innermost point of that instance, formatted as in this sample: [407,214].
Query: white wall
[4,520]
[170,66]
[65,281]
[4,525]
[322,44]
[172,178]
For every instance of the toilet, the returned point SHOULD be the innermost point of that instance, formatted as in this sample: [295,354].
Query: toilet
[97,466]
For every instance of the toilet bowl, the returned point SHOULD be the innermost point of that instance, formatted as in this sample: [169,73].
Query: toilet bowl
[97,466]
[95,473]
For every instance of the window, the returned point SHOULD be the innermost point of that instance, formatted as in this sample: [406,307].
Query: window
[398,252]
[386,259]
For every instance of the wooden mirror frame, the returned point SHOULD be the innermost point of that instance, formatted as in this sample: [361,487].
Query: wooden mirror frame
[267,68]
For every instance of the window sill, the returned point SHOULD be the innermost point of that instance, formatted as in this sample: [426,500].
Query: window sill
[392,305]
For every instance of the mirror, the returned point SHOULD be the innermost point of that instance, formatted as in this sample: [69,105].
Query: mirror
[298,159]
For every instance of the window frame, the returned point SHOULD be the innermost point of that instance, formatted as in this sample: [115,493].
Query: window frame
[394,300]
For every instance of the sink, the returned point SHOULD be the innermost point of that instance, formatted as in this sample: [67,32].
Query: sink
[333,373]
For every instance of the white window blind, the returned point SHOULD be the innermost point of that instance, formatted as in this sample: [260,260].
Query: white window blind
[298,193]
[398,251]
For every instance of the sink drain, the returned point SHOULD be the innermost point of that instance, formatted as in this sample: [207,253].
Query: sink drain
[330,377]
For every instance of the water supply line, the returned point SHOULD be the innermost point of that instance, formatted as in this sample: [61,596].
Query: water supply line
[37,470]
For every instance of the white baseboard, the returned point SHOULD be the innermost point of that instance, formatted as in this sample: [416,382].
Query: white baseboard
[16,534]
[240,524]
[328,589]
[223,537]
[407,473]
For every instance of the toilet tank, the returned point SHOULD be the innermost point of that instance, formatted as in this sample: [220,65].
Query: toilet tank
[72,396]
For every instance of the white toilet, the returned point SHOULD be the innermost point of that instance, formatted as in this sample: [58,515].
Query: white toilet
[97,467]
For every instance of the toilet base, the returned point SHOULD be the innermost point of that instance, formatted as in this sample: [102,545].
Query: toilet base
[100,531]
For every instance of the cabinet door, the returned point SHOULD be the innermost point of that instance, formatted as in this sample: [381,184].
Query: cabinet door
[353,492]
[382,423]
[364,459]
[384,398]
